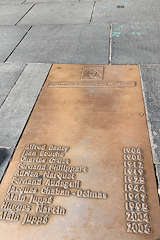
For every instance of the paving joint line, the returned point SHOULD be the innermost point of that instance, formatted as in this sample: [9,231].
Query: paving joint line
[25,13]
[94,3]
[110,45]
[12,87]
[18,44]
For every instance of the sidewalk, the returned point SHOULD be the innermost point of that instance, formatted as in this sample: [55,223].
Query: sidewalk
[36,34]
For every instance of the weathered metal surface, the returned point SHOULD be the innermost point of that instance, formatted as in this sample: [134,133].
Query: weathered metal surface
[83,167]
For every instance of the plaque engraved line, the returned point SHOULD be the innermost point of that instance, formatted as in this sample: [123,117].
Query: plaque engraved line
[82,84]
[136,202]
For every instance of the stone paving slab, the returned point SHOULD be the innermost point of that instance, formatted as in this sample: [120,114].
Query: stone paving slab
[115,11]
[151,88]
[155,140]
[59,13]
[15,111]
[135,43]
[9,73]
[81,44]
[11,14]
[10,36]
[18,105]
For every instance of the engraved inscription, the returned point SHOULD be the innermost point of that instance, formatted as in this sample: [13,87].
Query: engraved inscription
[44,173]
[96,84]
[136,202]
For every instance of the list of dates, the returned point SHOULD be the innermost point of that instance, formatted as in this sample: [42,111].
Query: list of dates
[136,200]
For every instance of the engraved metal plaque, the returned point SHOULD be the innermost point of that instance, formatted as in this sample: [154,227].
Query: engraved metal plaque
[83,167]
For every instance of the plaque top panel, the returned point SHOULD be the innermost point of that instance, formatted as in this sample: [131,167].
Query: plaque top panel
[83,167]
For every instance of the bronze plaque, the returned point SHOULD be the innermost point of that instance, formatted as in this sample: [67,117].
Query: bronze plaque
[83,168]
